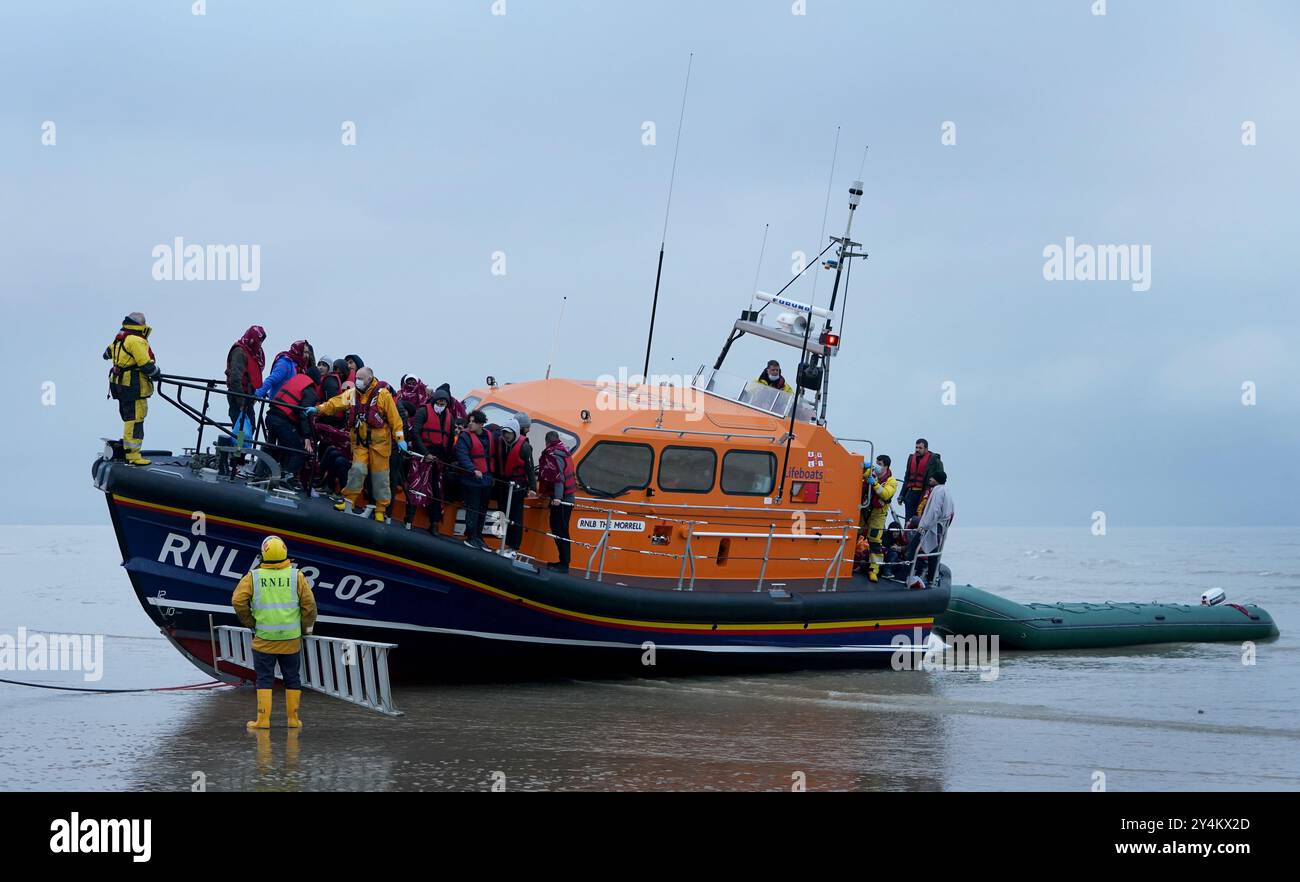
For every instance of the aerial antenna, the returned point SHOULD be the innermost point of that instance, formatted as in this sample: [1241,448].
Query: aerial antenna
[759,269]
[556,342]
[845,254]
[654,307]
[826,211]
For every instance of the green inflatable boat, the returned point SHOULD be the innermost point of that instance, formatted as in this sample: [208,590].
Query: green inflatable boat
[972,612]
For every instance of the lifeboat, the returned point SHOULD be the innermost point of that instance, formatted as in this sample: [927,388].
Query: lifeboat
[714,527]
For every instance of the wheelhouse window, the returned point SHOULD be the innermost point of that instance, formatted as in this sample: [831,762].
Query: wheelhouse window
[687,469]
[748,473]
[536,432]
[612,468]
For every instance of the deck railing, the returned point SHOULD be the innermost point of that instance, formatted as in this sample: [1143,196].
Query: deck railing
[837,529]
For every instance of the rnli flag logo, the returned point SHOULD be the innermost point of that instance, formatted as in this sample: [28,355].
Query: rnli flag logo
[815,460]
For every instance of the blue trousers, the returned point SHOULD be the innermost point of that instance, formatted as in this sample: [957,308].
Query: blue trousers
[290,667]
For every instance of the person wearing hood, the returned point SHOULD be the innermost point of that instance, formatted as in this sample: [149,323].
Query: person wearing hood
[514,466]
[559,484]
[354,364]
[376,425]
[332,384]
[433,437]
[457,408]
[130,381]
[244,364]
[935,522]
[295,359]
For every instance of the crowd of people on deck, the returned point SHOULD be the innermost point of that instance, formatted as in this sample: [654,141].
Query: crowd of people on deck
[927,515]
[335,428]
[927,508]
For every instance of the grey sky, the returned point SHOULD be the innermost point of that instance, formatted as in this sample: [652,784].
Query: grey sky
[522,133]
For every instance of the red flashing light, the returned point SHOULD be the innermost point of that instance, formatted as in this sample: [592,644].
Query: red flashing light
[829,339]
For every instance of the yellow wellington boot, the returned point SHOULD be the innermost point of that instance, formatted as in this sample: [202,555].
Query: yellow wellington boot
[292,698]
[133,457]
[263,720]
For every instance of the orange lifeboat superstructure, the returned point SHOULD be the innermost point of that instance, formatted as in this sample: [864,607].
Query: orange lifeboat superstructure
[683,484]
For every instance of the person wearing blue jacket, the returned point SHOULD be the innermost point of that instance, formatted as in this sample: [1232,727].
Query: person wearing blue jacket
[474,456]
[286,364]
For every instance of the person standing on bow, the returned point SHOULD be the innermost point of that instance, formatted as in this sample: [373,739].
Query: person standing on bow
[130,381]
[244,364]
[376,427]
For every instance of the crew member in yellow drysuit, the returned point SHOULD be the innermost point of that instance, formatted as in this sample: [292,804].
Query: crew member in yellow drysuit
[375,424]
[275,600]
[878,487]
[130,381]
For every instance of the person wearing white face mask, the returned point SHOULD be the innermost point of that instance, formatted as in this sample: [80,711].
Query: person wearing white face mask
[772,376]
[376,427]
[433,437]
[878,488]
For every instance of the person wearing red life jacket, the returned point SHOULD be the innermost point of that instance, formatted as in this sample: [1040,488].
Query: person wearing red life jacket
[475,452]
[558,482]
[244,365]
[375,425]
[457,409]
[289,427]
[922,465]
[514,467]
[433,437]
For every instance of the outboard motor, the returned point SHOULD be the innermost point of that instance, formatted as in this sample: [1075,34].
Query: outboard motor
[1213,597]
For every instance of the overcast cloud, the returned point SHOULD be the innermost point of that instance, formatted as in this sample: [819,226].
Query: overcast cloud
[522,133]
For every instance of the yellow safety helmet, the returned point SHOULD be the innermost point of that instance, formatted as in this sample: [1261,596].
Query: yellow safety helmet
[273,550]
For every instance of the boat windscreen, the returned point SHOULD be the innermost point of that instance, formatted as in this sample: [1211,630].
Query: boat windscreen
[536,432]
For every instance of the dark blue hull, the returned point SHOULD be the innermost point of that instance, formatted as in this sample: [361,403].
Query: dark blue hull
[457,613]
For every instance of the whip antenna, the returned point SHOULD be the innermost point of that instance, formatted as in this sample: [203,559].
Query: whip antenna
[556,342]
[759,269]
[654,307]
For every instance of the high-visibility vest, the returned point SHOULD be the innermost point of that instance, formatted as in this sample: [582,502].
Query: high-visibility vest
[275,603]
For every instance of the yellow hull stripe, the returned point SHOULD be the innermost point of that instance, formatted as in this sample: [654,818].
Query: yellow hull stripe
[862,625]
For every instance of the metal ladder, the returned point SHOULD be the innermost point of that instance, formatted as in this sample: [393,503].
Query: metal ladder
[355,671]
